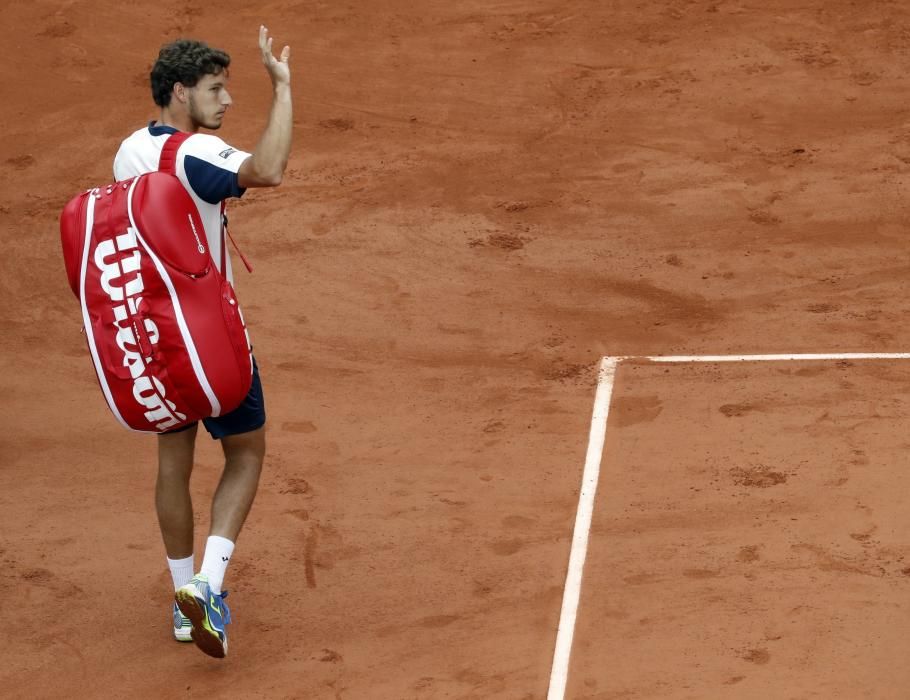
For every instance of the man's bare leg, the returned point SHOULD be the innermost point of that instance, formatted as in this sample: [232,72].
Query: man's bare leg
[172,492]
[243,456]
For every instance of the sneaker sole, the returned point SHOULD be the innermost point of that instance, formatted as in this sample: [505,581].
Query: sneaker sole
[181,634]
[206,639]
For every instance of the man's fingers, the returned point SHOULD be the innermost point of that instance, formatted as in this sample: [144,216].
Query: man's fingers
[265,45]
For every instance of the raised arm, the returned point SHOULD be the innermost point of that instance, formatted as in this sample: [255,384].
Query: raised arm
[265,167]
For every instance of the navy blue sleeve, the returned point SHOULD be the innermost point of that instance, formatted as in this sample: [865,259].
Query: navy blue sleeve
[211,183]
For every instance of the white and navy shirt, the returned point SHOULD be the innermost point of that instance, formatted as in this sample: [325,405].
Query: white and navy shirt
[206,166]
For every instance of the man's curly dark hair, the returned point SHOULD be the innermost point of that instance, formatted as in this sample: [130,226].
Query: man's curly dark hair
[184,61]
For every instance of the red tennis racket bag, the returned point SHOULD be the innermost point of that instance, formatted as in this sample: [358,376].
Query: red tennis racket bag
[163,325]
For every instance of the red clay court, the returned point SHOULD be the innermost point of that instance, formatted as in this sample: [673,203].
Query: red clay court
[485,200]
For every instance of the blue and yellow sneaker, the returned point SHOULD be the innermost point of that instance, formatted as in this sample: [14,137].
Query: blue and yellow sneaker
[182,626]
[208,614]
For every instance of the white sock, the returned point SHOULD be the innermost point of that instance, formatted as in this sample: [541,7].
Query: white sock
[218,552]
[181,570]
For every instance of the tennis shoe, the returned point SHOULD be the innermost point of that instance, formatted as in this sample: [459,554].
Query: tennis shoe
[208,615]
[182,626]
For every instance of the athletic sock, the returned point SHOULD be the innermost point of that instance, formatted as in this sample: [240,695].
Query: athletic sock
[181,570]
[218,552]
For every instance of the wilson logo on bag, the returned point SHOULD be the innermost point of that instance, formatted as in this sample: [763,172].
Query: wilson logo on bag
[164,329]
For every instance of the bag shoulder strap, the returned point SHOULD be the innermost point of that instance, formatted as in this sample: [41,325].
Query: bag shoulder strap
[167,163]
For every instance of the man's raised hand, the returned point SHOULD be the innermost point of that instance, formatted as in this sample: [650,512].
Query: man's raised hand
[279,70]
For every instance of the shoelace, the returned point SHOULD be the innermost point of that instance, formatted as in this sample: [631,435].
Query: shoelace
[225,610]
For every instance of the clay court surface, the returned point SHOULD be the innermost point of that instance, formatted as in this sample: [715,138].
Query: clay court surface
[484,199]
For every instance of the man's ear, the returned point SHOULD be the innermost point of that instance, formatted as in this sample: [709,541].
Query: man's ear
[180,92]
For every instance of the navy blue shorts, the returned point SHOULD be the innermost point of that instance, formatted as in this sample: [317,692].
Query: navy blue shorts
[248,416]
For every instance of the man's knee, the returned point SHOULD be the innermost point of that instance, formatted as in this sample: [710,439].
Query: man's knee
[249,446]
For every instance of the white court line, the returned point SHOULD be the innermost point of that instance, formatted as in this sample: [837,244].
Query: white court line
[776,358]
[559,674]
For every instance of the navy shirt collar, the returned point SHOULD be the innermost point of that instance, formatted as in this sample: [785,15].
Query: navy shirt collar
[161,129]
